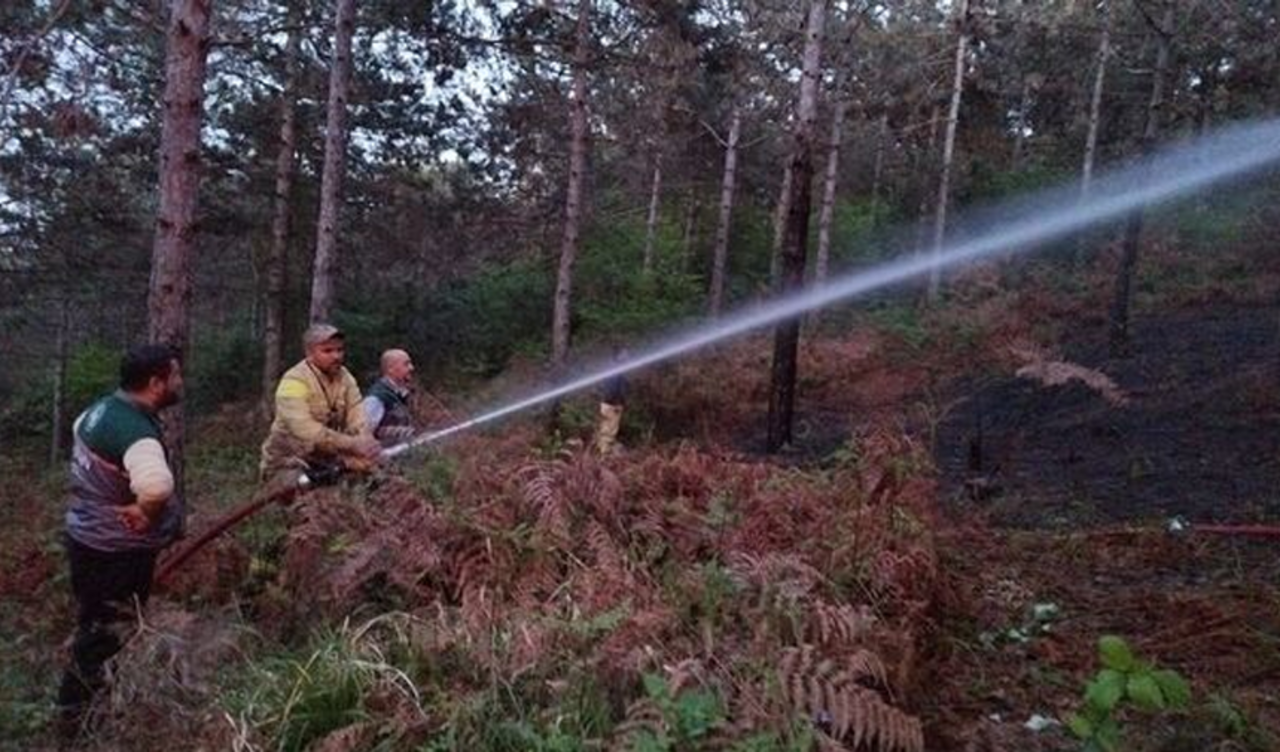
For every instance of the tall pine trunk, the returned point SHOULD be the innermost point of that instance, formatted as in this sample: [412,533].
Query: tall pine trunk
[1119,337]
[828,211]
[780,212]
[690,235]
[925,183]
[651,222]
[949,146]
[786,339]
[720,255]
[169,296]
[877,167]
[1095,104]
[58,419]
[281,221]
[562,310]
[335,155]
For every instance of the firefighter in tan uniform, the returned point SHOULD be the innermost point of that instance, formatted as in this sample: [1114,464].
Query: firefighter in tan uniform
[319,423]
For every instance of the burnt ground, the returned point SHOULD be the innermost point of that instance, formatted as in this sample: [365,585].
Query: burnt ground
[1199,437]
[1074,496]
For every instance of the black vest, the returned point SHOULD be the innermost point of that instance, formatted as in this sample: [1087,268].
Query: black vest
[395,405]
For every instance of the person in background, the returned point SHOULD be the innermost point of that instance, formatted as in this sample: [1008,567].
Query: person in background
[613,398]
[386,405]
[122,512]
[319,422]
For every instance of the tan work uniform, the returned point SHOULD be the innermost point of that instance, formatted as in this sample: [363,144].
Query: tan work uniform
[318,417]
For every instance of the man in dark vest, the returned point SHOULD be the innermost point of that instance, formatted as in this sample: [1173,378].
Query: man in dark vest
[122,512]
[386,405]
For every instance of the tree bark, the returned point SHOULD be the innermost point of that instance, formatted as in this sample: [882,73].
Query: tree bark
[1095,105]
[787,334]
[690,230]
[1119,338]
[169,295]
[828,211]
[780,213]
[877,168]
[281,221]
[720,256]
[573,199]
[949,146]
[58,419]
[651,222]
[335,155]
[926,182]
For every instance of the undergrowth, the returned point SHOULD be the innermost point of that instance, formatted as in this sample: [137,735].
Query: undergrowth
[678,600]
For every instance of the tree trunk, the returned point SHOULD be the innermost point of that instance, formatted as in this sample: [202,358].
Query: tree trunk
[877,168]
[573,198]
[949,147]
[786,338]
[690,230]
[926,182]
[828,211]
[169,296]
[720,256]
[335,155]
[1133,229]
[1095,105]
[651,222]
[781,211]
[281,221]
[58,419]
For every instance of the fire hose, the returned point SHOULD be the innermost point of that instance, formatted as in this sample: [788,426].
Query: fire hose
[304,482]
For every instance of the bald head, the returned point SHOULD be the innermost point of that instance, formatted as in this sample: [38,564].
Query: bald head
[397,366]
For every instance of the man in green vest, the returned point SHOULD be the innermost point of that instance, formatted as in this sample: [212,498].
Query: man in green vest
[319,423]
[386,406]
[122,511]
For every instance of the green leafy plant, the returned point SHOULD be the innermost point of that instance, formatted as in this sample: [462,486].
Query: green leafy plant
[688,717]
[1123,681]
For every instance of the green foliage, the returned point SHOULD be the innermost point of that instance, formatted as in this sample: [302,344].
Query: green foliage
[369,330]
[224,364]
[1214,223]
[750,250]
[687,717]
[434,475]
[855,231]
[479,323]
[25,710]
[1123,681]
[92,371]
[498,719]
[293,700]
[989,184]
[902,321]
[616,297]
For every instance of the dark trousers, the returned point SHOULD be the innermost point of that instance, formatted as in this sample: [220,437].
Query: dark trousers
[108,587]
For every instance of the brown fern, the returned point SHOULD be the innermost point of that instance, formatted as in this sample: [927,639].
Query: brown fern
[830,693]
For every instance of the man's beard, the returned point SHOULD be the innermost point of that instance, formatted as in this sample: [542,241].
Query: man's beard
[169,399]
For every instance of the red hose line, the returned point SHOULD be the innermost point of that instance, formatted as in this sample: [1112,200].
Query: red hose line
[1255,531]
[229,520]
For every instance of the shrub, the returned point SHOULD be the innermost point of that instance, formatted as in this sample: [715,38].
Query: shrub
[1123,681]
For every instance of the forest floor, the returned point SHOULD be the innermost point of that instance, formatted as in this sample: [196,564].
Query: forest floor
[1052,502]
[1058,497]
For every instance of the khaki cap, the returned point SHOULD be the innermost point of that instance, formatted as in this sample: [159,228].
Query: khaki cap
[317,333]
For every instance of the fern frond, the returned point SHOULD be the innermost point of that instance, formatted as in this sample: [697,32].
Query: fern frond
[829,692]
